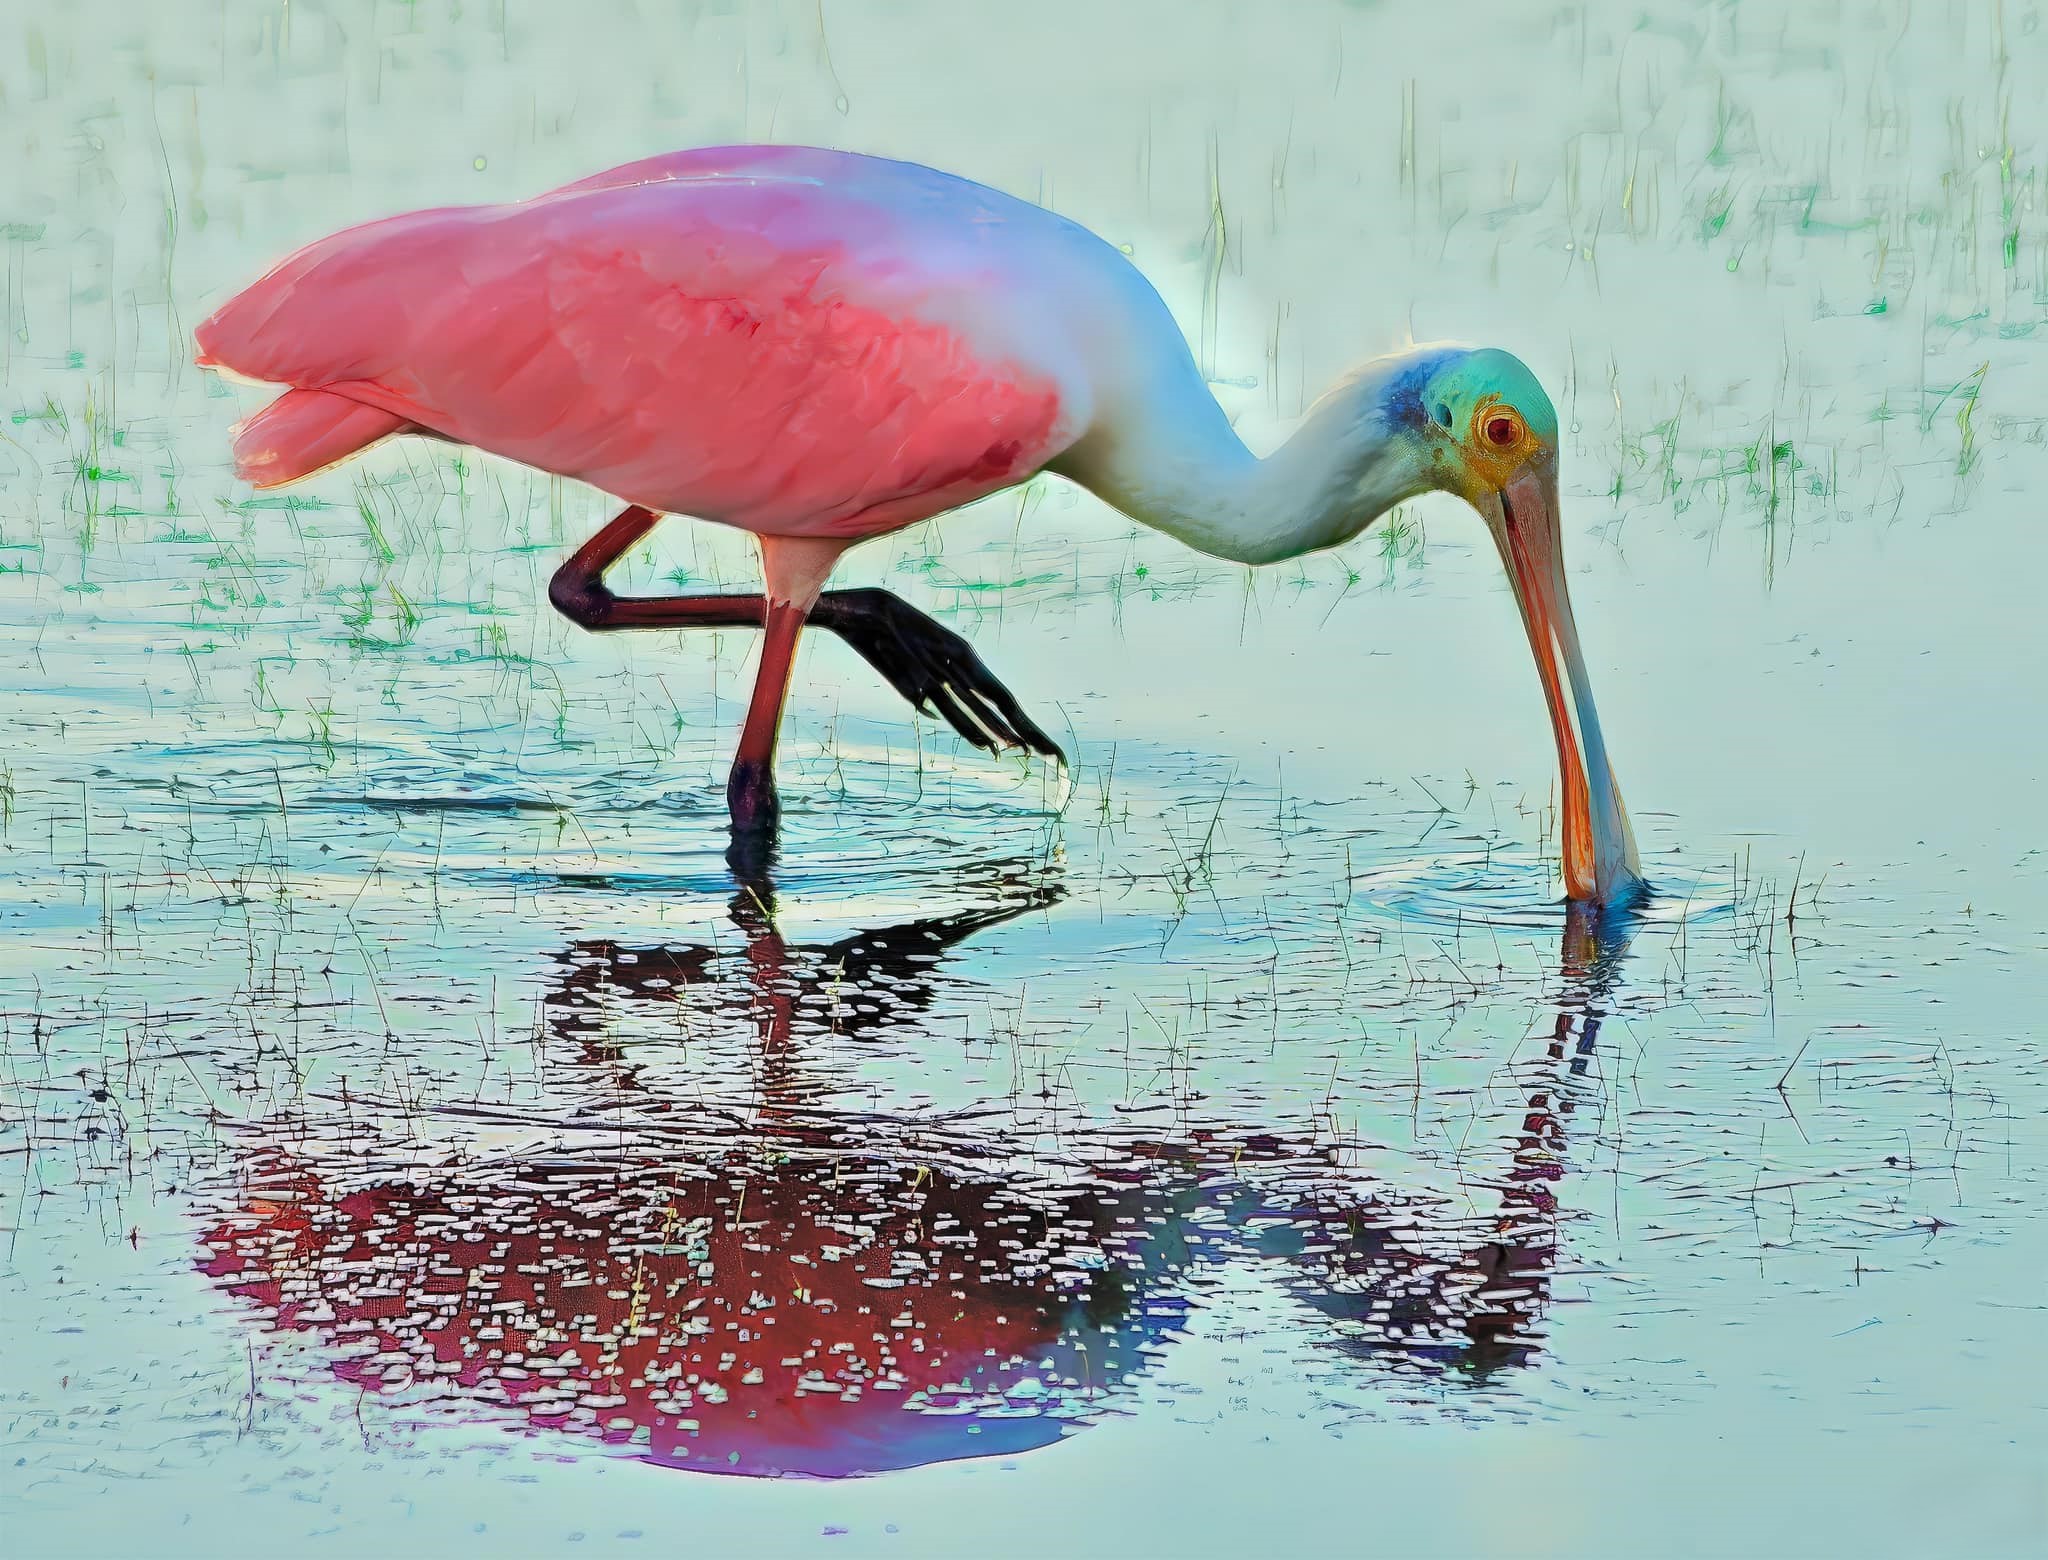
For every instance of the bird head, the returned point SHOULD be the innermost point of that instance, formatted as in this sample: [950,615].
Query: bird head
[1477,423]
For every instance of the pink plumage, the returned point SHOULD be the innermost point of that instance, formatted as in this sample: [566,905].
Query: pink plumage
[304,431]
[785,340]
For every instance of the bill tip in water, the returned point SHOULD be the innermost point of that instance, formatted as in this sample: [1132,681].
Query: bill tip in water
[1617,895]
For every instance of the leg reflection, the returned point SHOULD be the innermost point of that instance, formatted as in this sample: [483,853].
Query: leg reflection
[842,1295]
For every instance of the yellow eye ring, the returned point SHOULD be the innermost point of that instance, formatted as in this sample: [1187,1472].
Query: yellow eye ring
[1501,427]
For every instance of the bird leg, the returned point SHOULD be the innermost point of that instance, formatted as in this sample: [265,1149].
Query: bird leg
[750,790]
[930,665]
[580,594]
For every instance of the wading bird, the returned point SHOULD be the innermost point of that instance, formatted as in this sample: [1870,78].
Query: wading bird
[820,348]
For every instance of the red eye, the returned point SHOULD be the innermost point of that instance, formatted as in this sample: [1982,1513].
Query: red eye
[1503,431]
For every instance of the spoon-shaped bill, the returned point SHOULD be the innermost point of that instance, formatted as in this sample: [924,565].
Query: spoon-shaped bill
[1600,863]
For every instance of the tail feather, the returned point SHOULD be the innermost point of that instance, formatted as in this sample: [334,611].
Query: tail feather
[304,431]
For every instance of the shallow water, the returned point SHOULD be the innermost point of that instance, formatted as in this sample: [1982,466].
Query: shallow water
[414,1139]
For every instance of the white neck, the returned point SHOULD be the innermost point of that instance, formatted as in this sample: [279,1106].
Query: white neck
[1179,467]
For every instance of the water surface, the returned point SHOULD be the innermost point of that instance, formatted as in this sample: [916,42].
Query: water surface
[414,1139]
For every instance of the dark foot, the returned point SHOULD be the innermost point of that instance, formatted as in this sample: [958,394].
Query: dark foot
[750,796]
[932,667]
[756,824]
[756,821]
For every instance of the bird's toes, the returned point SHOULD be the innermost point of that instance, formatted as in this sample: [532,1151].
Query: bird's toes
[967,717]
[936,670]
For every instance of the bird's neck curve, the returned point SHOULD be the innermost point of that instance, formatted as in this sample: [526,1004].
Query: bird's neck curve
[1182,469]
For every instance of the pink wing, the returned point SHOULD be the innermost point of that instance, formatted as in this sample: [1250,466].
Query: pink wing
[702,333]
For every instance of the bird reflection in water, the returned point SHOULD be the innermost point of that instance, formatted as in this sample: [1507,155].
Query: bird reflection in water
[811,1293]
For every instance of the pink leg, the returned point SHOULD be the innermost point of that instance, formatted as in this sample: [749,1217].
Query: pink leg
[931,666]
[795,569]
[750,791]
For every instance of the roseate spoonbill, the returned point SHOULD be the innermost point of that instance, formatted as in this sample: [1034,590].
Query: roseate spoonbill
[820,347]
